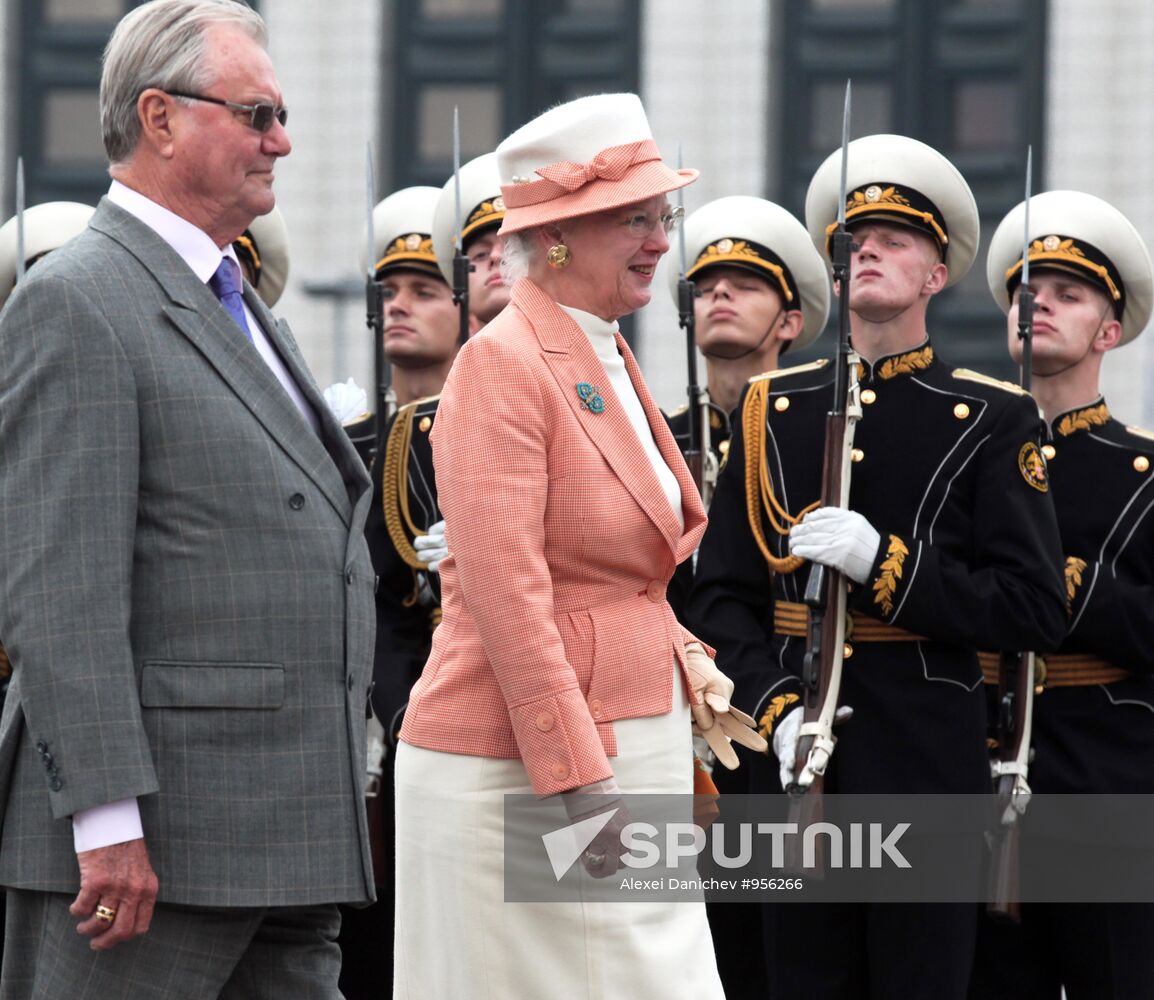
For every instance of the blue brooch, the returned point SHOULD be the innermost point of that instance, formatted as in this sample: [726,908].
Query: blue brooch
[590,398]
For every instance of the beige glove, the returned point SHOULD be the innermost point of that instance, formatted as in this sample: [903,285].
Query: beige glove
[715,718]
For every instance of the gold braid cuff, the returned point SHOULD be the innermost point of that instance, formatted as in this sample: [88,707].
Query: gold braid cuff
[759,493]
[774,711]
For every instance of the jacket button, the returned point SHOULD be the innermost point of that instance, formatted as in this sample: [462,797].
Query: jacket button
[41,747]
[349,577]
[545,721]
[596,709]
[297,501]
[56,784]
[349,683]
[560,771]
[655,591]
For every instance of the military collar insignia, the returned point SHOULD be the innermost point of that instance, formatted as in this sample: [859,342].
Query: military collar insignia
[905,364]
[1082,419]
[590,397]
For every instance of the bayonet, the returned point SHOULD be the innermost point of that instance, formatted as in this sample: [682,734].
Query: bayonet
[21,260]
[461,265]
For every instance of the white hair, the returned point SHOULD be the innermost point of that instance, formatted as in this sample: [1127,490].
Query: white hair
[160,44]
[518,253]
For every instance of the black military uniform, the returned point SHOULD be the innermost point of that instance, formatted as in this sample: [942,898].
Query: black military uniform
[408,593]
[719,433]
[1094,713]
[947,470]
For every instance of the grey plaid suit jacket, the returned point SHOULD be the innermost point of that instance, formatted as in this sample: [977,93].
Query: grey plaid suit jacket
[185,590]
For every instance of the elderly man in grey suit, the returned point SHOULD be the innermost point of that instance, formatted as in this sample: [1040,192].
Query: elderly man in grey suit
[185,592]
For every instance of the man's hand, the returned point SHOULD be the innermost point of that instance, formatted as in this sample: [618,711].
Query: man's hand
[116,880]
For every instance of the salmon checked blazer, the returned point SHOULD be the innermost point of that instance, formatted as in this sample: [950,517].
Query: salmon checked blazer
[561,545]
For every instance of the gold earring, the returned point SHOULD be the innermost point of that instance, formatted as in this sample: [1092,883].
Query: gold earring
[558,256]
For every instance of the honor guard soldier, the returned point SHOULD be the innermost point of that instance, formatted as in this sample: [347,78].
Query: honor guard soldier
[761,289]
[482,210]
[1093,713]
[949,539]
[420,342]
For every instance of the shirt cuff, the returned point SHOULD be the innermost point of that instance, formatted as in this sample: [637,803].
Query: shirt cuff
[103,826]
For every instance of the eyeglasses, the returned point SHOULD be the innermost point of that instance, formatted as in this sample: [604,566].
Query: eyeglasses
[642,224]
[261,115]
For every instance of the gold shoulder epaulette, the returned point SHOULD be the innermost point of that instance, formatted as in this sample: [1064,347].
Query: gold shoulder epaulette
[969,375]
[1139,432]
[796,370]
[677,413]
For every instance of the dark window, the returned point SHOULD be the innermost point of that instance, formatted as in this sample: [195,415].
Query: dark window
[964,76]
[501,62]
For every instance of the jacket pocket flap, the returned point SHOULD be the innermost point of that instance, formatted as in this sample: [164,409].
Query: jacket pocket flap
[172,684]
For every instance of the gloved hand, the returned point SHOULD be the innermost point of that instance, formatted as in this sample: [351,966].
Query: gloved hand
[347,401]
[602,857]
[840,539]
[785,736]
[715,718]
[430,547]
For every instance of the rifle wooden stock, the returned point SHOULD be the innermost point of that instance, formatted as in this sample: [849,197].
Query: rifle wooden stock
[1014,728]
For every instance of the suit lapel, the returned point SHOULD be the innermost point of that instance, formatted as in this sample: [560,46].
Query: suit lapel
[573,361]
[197,315]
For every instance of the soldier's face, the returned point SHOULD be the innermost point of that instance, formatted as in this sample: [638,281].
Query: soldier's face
[735,312]
[421,321]
[488,294]
[893,269]
[1073,320]
[224,166]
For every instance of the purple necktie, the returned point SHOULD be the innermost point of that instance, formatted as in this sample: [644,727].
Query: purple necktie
[225,282]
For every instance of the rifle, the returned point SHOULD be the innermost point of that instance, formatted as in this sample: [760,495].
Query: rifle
[1014,722]
[694,453]
[825,592]
[461,265]
[21,262]
[375,302]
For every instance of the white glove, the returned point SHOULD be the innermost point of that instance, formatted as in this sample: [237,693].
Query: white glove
[840,539]
[430,547]
[785,735]
[347,401]
[715,718]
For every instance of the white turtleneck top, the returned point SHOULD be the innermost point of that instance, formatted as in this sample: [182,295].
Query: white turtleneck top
[602,336]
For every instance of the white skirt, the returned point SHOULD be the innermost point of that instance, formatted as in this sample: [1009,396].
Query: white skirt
[456,937]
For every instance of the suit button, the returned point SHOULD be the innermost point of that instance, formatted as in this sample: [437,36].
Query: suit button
[41,747]
[560,771]
[596,709]
[655,591]
[48,759]
[56,784]
[545,721]
[297,501]
[349,577]
[349,683]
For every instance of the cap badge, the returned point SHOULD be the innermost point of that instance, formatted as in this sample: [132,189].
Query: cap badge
[590,396]
[725,245]
[873,193]
[1051,243]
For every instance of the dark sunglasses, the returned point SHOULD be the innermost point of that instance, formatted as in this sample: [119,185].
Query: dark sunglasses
[260,115]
